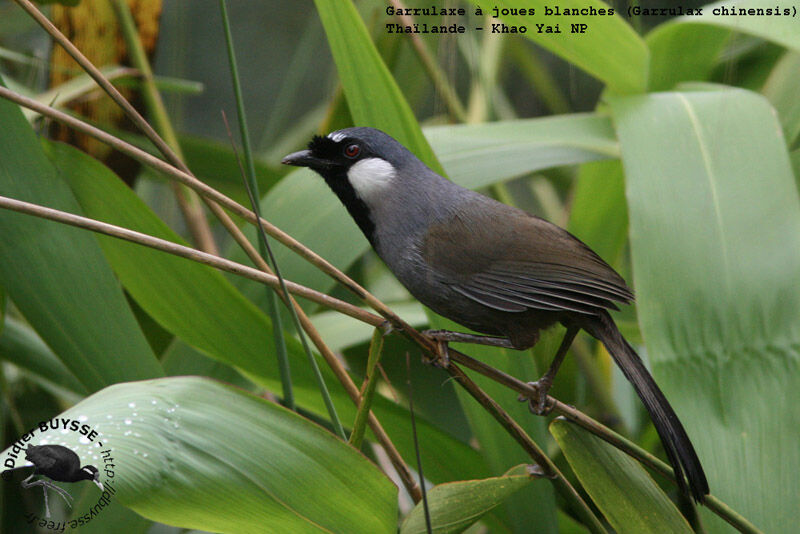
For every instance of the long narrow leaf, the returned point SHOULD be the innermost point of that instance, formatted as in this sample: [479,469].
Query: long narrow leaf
[457,505]
[715,237]
[606,47]
[631,500]
[372,94]
[57,276]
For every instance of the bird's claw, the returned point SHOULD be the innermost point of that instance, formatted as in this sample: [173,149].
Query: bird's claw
[537,403]
[387,327]
[442,356]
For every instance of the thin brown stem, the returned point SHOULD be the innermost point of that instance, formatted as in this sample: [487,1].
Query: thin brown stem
[547,466]
[191,254]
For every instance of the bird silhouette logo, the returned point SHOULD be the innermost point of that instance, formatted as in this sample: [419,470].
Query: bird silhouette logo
[60,464]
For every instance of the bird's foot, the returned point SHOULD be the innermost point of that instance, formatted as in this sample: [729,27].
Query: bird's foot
[387,327]
[538,403]
[442,356]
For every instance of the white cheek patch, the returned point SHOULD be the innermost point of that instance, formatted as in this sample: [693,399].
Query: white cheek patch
[371,177]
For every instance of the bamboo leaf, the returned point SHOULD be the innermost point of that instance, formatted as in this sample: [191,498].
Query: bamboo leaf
[457,505]
[608,49]
[372,94]
[715,238]
[631,500]
[57,276]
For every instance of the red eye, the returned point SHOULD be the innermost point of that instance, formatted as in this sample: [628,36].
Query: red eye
[352,151]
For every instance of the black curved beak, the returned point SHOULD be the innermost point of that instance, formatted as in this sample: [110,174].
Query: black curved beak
[96,480]
[304,158]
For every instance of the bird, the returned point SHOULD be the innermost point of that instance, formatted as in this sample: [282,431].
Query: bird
[61,464]
[490,267]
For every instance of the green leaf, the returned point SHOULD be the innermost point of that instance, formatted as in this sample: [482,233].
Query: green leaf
[599,215]
[767,20]
[625,493]
[21,346]
[191,300]
[57,276]
[715,238]
[470,152]
[457,505]
[683,52]
[194,453]
[372,94]
[609,50]
[782,88]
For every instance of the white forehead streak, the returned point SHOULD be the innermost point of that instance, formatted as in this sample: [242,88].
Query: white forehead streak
[336,136]
[371,177]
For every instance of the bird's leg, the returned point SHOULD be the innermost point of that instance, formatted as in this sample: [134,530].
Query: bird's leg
[443,337]
[45,484]
[539,405]
[461,337]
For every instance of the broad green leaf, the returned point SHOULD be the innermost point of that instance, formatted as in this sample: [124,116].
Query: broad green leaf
[471,153]
[599,216]
[57,276]
[457,505]
[782,88]
[767,20]
[21,346]
[194,453]
[372,94]
[715,238]
[608,48]
[626,494]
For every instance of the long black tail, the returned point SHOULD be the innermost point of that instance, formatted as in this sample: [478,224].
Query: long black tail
[679,449]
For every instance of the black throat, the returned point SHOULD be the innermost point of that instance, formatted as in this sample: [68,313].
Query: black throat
[358,210]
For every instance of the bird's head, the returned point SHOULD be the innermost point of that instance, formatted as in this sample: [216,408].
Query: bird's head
[90,472]
[363,160]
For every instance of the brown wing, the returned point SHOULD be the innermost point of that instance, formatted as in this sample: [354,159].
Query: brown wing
[511,261]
